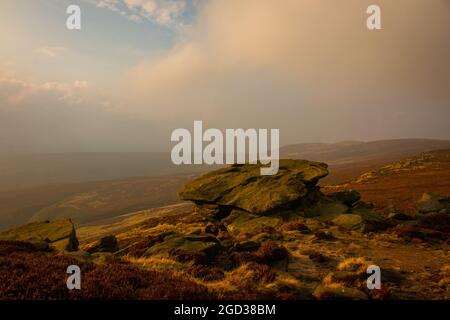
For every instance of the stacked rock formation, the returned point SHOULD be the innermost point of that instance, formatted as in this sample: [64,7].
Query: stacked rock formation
[242,187]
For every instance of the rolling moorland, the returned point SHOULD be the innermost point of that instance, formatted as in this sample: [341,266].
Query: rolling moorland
[94,186]
[242,240]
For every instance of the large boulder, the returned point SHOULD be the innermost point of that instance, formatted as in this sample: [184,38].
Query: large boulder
[59,234]
[243,186]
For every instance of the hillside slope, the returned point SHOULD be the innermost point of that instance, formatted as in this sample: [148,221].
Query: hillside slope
[349,159]
[400,184]
[87,202]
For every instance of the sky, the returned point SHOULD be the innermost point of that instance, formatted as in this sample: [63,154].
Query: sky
[139,69]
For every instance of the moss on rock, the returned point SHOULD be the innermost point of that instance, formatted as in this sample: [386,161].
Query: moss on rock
[243,186]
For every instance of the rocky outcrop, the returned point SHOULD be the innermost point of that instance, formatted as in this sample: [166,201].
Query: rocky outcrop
[58,234]
[243,187]
[250,204]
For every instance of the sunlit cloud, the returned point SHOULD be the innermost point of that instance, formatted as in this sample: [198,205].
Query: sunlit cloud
[15,91]
[51,52]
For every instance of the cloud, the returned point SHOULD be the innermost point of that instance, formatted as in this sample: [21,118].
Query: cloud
[15,91]
[308,67]
[162,12]
[52,52]
[64,117]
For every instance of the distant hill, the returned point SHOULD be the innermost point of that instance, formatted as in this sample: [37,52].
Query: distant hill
[24,171]
[400,184]
[351,158]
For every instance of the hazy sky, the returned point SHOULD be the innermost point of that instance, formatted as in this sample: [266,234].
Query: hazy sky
[139,69]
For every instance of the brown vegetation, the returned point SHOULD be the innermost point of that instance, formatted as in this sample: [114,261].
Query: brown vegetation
[26,273]
[401,184]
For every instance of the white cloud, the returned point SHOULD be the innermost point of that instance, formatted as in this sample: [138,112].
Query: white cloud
[162,12]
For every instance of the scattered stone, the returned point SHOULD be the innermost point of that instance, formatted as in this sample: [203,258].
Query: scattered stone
[266,236]
[295,226]
[246,246]
[411,231]
[201,237]
[432,202]
[323,292]
[212,211]
[316,256]
[323,235]
[209,246]
[399,216]
[105,244]
[349,221]
[212,229]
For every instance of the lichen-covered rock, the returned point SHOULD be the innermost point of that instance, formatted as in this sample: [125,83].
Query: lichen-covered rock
[191,244]
[372,221]
[59,234]
[105,244]
[241,222]
[212,211]
[243,186]
[360,217]
[349,221]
